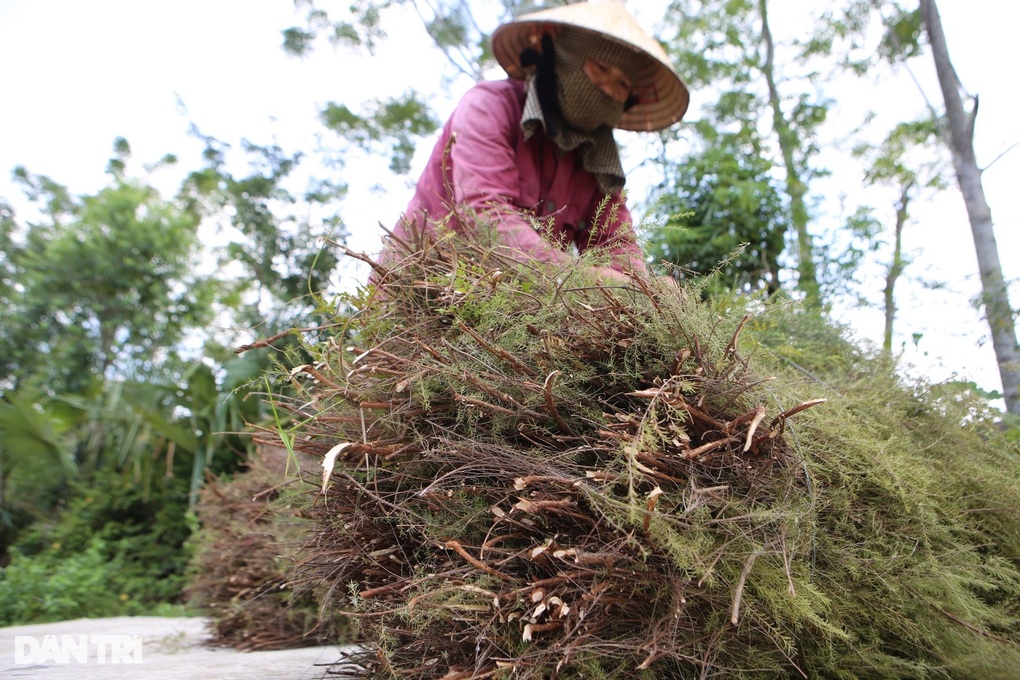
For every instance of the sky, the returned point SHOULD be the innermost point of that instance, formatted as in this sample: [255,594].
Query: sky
[78,75]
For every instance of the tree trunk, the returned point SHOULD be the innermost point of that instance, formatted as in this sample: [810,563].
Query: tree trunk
[807,276]
[995,296]
[895,269]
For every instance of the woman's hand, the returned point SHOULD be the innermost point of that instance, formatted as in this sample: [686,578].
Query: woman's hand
[614,275]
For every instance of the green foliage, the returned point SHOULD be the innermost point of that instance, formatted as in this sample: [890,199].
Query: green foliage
[911,154]
[29,434]
[55,199]
[755,120]
[449,28]
[7,230]
[36,463]
[1011,427]
[93,379]
[130,295]
[121,153]
[906,160]
[361,26]
[50,588]
[736,215]
[114,551]
[397,121]
[842,29]
[147,430]
[903,36]
[911,161]
[394,125]
[707,39]
[83,585]
[111,367]
[455,27]
[202,419]
[862,235]
[278,239]
[843,32]
[297,41]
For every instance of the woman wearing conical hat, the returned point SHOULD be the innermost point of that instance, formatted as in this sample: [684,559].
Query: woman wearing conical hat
[532,157]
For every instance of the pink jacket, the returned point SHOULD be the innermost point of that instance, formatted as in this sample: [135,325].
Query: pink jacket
[482,163]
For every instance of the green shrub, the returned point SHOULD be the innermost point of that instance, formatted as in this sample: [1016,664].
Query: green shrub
[116,550]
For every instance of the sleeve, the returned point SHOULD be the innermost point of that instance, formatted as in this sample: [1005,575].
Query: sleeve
[483,172]
[612,232]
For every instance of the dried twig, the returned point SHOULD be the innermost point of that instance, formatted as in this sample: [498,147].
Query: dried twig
[735,610]
[551,405]
[477,564]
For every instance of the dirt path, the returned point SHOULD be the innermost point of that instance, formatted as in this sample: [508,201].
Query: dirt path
[169,649]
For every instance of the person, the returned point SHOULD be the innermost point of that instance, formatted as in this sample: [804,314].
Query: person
[532,158]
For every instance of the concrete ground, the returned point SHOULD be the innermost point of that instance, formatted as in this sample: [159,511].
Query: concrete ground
[146,647]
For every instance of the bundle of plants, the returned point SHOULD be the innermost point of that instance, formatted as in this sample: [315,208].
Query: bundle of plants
[252,524]
[530,473]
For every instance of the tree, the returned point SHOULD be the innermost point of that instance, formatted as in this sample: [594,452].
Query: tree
[906,162]
[106,285]
[400,121]
[959,134]
[34,462]
[726,47]
[453,25]
[905,31]
[720,204]
[790,130]
[107,298]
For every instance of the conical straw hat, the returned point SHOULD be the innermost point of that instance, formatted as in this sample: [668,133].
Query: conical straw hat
[663,97]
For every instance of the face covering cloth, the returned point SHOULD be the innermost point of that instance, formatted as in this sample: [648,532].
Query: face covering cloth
[586,114]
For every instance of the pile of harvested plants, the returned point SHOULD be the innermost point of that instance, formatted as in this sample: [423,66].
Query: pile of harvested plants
[252,525]
[528,473]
